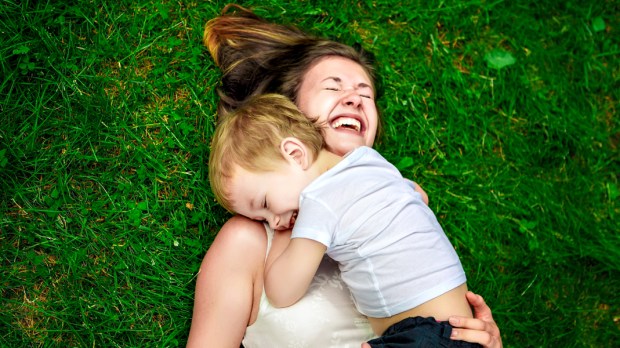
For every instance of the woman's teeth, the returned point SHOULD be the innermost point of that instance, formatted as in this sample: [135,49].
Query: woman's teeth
[347,122]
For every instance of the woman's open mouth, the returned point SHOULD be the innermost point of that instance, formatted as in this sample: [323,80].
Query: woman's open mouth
[347,123]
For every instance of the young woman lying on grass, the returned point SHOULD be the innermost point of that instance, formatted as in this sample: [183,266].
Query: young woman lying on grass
[268,162]
[231,308]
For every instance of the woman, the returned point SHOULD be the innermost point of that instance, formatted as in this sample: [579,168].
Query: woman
[323,78]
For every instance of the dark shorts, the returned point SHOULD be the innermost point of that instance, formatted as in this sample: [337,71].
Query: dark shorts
[419,332]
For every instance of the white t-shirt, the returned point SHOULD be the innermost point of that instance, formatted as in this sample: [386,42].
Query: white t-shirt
[392,252]
[324,317]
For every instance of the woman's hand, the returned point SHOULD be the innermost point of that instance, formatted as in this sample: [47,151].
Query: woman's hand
[422,192]
[481,329]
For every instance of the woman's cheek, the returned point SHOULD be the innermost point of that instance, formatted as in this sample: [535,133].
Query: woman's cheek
[370,137]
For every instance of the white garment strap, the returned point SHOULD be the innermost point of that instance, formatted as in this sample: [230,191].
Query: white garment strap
[270,233]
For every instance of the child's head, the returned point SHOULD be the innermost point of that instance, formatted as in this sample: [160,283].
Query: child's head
[253,139]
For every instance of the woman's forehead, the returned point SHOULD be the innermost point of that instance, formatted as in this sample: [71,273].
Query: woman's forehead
[336,67]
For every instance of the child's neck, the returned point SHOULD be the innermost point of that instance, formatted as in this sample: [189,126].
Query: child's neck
[324,162]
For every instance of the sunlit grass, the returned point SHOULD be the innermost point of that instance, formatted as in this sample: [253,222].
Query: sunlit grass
[504,112]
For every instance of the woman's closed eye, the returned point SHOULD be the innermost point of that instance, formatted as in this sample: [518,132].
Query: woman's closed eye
[363,94]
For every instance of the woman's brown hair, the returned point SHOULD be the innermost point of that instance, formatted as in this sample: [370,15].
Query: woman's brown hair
[258,57]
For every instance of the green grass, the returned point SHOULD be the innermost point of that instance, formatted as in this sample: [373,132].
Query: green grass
[106,109]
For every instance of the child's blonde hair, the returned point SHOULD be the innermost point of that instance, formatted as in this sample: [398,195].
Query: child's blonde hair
[250,138]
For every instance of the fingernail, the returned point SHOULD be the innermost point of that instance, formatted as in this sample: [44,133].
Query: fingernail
[453,321]
[454,333]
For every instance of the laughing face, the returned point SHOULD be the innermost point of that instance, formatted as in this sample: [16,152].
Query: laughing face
[340,93]
[272,197]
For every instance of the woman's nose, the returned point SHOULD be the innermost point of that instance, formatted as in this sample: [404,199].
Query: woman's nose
[351,97]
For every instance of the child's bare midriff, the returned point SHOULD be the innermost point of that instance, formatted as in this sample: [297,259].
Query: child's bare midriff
[451,303]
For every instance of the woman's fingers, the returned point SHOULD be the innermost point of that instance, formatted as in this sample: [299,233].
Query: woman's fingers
[481,310]
[484,338]
[469,323]
[481,329]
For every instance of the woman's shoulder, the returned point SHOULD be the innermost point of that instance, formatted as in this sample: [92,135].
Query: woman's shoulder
[241,232]
[240,241]
[231,269]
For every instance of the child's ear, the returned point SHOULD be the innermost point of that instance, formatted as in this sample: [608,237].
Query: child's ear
[294,151]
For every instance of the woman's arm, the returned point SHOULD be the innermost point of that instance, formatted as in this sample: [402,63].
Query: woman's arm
[481,329]
[230,274]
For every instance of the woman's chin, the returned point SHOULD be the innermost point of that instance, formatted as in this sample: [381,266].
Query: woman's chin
[346,145]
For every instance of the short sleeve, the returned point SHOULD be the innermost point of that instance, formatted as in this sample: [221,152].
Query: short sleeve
[315,221]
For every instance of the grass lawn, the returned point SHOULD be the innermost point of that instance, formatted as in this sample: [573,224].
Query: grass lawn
[506,112]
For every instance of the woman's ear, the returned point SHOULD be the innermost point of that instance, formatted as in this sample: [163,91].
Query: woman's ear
[295,152]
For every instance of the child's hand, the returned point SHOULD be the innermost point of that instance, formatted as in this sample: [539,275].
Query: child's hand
[419,189]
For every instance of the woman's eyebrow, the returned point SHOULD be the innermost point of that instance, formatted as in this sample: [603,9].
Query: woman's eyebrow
[339,80]
[335,78]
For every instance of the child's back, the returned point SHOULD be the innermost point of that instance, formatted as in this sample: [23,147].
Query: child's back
[393,254]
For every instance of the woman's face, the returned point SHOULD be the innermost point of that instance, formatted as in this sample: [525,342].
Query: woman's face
[339,93]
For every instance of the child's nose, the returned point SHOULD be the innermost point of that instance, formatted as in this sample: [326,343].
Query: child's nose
[274,222]
[278,223]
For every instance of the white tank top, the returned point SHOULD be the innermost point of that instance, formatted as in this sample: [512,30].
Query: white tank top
[324,317]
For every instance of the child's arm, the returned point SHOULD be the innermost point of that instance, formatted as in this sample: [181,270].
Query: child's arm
[287,279]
